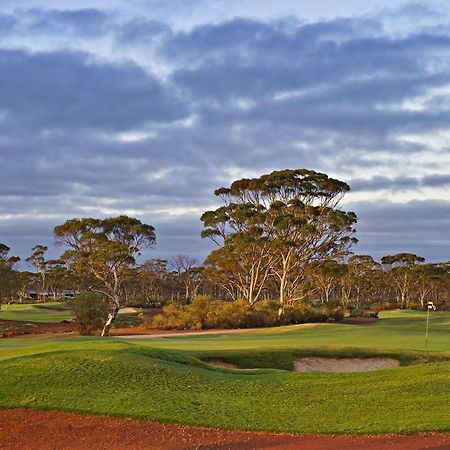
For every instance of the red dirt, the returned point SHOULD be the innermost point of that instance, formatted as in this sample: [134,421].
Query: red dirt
[41,430]
[141,331]
[18,327]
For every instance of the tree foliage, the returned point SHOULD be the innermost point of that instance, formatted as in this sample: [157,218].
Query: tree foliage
[8,275]
[37,260]
[90,312]
[107,250]
[273,227]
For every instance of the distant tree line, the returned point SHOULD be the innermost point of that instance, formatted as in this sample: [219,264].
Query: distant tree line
[282,240]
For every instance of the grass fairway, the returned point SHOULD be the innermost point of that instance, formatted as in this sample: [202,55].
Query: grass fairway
[164,379]
[39,312]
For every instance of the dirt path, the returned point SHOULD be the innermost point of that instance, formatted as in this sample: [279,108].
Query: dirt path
[41,430]
[152,333]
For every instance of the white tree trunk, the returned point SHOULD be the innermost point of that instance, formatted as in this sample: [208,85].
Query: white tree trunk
[109,322]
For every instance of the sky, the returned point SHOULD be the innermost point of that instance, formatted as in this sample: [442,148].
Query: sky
[146,107]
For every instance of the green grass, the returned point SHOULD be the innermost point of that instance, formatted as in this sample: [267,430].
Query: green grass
[39,312]
[398,330]
[165,379]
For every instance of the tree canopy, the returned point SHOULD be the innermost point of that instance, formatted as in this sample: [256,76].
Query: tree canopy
[107,250]
[283,220]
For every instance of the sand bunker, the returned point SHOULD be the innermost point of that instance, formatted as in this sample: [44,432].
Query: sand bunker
[321,364]
[318,364]
[222,364]
[127,310]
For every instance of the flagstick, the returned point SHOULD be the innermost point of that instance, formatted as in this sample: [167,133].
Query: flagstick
[426,332]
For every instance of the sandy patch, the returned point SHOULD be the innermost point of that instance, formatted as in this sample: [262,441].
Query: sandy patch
[222,364]
[127,310]
[318,364]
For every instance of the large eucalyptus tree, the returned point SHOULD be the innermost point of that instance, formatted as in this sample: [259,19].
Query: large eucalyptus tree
[274,226]
[106,250]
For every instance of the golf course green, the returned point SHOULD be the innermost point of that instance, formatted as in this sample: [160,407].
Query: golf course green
[167,379]
[42,312]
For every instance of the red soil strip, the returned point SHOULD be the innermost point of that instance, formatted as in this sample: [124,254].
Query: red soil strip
[18,327]
[40,430]
[141,331]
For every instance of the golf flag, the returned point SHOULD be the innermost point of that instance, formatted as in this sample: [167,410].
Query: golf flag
[430,307]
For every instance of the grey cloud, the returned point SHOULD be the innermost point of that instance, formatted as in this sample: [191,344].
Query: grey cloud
[87,22]
[175,235]
[7,24]
[140,31]
[421,227]
[323,95]
[360,73]
[414,11]
[245,39]
[348,84]
[70,90]
[380,182]
[399,183]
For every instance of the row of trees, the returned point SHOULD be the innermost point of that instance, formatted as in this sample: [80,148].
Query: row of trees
[280,237]
[359,282]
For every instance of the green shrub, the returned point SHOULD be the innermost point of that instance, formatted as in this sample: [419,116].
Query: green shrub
[90,312]
[294,314]
[229,314]
[173,316]
[364,314]
[337,314]
[315,315]
[200,311]
[356,313]
[303,313]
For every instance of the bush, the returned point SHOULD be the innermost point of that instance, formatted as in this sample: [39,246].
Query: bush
[364,314]
[239,314]
[90,311]
[205,313]
[356,313]
[302,313]
[337,314]
[315,315]
[173,316]
[383,306]
[294,314]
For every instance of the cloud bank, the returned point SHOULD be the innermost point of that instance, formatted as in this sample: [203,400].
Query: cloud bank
[105,112]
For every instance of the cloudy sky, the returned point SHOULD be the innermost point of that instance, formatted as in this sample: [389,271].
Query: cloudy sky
[145,108]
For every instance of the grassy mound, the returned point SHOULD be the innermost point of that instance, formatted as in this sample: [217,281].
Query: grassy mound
[136,382]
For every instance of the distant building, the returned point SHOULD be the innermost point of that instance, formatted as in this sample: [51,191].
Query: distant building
[39,294]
